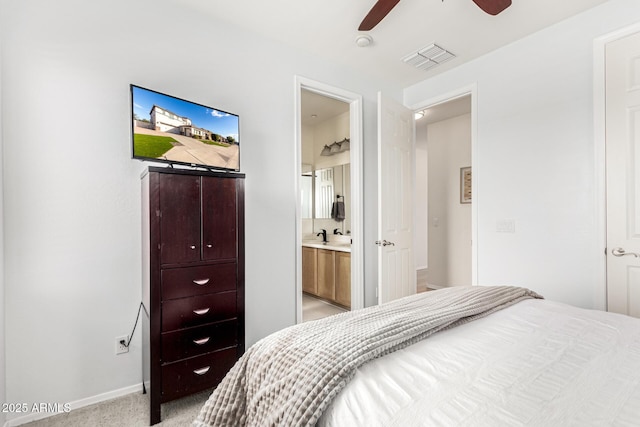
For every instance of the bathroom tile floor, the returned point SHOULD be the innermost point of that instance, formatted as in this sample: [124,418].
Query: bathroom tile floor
[314,308]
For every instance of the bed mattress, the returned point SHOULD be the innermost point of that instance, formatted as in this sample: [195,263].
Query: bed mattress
[536,363]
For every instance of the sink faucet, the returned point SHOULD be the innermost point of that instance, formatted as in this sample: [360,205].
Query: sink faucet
[324,235]
[335,231]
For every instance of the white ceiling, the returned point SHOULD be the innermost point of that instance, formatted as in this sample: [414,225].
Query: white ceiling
[317,108]
[446,110]
[328,28]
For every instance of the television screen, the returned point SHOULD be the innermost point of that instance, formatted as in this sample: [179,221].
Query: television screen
[172,130]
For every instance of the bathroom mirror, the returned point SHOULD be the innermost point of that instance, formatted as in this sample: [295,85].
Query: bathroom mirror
[320,189]
[306,188]
[324,192]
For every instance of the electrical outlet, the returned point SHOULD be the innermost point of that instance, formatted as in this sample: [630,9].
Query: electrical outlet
[121,344]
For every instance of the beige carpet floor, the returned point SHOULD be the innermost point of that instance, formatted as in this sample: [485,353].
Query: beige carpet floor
[133,410]
[128,411]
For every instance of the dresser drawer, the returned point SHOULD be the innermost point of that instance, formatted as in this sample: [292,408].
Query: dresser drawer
[199,340]
[205,279]
[193,311]
[196,374]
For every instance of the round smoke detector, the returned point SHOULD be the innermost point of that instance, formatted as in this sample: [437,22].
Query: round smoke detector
[363,40]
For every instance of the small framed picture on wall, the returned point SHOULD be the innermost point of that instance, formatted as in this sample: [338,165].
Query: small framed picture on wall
[465,185]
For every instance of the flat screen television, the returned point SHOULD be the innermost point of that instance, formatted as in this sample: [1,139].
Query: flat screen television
[172,130]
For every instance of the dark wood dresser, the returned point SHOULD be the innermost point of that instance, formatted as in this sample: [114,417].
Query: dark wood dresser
[193,280]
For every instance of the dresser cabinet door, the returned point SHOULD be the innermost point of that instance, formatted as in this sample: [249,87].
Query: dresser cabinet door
[219,228]
[179,219]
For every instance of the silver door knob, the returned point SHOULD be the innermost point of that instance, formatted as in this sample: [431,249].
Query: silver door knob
[622,252]
[384,243]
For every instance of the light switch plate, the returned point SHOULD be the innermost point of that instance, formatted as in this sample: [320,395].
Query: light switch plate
[506,226]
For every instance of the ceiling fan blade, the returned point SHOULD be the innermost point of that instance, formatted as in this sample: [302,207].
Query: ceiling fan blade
[377,13]
[493,7]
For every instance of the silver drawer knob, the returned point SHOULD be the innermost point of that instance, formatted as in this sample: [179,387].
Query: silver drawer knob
[201,282]
[202,371]
[202,341]
[193,247]
[202,311]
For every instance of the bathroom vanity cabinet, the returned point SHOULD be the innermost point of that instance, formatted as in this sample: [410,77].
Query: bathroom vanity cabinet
[326,273]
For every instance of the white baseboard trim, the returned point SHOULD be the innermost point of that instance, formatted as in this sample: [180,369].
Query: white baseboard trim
[34,416]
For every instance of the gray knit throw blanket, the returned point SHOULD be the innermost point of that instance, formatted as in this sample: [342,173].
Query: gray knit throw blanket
[290,377]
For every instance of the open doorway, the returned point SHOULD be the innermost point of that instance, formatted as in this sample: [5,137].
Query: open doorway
[444,202]
[329,185]
[326,206]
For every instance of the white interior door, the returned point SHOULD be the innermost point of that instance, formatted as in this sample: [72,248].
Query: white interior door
[623,174]
[396,272]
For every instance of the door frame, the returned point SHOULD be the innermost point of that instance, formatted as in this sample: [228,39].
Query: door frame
[470,90]
[599,138]
[357,185]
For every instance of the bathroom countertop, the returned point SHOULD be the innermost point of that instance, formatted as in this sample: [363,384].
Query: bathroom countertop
[334,246]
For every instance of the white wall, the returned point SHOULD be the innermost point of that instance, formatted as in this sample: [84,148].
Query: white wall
[449,221]
[329,131]
[2,303]
[72,191]
[536,156]
[420,240]
[306,153]
[314,138]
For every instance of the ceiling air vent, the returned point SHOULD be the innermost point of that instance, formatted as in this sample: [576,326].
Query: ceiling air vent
[428,57]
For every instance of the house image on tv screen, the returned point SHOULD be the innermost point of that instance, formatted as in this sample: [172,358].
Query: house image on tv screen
[166,121]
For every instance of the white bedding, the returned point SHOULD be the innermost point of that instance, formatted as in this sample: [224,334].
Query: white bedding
[536,363]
